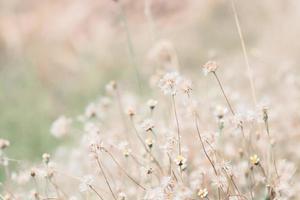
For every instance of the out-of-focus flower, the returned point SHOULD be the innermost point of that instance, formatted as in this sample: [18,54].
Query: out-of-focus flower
[254,159]
[46,158]
[111,86]
[186,86]
[123,146]
[169,83]
[210,66]
[180,160]
[151,103]
[149,142]
[147,125]
[220,111]
[122,196]
[131,112]
[164,55]
[4,143]
[169,145]
[61,127]
[85,183]
[91,110]
[202,193]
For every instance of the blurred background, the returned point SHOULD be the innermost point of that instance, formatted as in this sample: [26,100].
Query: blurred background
[57,55]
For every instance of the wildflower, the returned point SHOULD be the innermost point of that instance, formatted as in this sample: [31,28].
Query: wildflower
[149,142]
[254,159]
[33,173]
[122,196]
[147,125]
[180,160]
[111,86]
[164,54]
[46,158]
[61,127]
[91,110]
[202,193]
[124,147]
[220,111]
[186,86]
[127,152]
[4,143]
[210,66]
[86,183]
[169,83]
[7,197]
[151,104]
[130,112]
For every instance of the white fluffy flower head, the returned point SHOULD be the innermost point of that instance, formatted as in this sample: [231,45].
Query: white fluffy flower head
[169,83]
[61,127]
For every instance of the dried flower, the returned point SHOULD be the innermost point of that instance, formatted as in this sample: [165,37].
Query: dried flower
[210,66]
[169,83]
[186,86]
[61,127]
[91,110]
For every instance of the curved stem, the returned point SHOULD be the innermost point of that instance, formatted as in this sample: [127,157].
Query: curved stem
[219,82]
[125,172]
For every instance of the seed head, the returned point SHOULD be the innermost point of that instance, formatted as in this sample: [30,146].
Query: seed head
[210,66]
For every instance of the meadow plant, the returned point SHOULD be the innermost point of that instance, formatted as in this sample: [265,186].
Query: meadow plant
[175,145]
[141,154]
